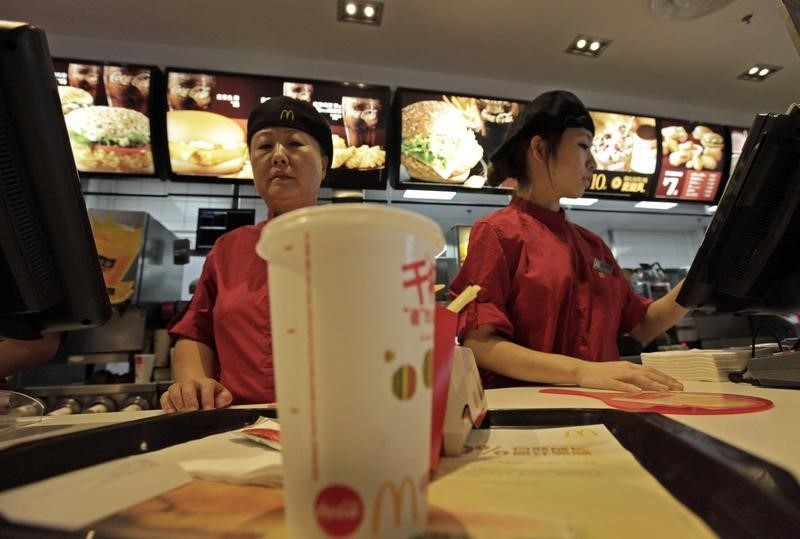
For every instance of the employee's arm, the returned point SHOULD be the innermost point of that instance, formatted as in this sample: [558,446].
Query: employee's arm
[494,352]
[194,366]
[17,355]
[661,315]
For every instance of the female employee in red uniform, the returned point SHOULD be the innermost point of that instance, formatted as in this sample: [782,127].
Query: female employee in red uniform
[223,354]
[553,299]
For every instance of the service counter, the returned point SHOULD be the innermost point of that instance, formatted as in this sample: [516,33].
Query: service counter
[674,448]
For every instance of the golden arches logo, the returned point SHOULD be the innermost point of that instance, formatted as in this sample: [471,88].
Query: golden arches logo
[397,494]
[287,114]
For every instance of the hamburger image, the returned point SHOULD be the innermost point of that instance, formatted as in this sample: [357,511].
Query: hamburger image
[205,143]
[437,144]
[74,98]
[110,139]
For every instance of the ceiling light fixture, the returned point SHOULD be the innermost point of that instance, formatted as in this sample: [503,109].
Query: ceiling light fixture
[588,46]
[428,195]
[363,12]
[646,204]
[578,201]
[759,72]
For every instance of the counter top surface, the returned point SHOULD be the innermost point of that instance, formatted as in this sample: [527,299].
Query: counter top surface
[772,435]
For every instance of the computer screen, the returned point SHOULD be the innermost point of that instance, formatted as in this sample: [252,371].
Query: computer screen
[50,277]
[750,257]
[214,222]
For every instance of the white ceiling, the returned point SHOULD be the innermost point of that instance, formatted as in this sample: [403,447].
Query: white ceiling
[513,41]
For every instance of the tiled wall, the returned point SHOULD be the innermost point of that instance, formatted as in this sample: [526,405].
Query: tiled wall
[175,205]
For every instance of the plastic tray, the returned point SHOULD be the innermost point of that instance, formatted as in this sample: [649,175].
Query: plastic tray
[736,493]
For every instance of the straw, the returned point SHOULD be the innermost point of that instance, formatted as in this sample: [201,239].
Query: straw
[464,298]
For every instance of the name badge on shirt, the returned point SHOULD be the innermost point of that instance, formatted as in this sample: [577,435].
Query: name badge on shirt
[603,267]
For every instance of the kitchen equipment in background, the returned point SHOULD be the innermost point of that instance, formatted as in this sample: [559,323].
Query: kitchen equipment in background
[101,398]
[136,254]
[650,280]
[455,252]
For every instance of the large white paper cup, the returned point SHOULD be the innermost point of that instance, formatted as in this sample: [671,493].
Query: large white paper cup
[352,303]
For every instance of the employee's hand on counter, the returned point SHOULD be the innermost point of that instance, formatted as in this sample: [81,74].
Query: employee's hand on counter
[624,376]
[198,394]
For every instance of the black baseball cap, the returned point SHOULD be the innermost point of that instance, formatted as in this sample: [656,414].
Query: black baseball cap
[282,111]
[551,112]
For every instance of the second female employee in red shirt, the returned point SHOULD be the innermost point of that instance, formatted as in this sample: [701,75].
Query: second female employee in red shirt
[553,299]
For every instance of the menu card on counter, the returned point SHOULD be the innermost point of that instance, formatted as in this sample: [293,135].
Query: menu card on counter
[107,110]
[693,159]
[626,150]
[446,140]
[207,124]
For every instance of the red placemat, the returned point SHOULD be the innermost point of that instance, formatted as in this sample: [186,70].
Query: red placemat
[674,402]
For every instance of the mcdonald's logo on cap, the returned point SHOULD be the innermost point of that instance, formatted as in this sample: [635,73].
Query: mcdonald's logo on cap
[397,493]
[287,114]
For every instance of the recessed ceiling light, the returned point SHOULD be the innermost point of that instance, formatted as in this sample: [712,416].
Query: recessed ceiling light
[759,72]
[588,46]
[360,11]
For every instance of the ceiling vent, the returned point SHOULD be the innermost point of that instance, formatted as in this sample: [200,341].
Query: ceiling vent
[682,10]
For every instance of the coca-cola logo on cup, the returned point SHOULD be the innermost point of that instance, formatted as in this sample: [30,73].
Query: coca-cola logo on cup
[339,510]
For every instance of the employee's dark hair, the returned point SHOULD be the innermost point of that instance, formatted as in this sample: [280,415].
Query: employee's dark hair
[514,166]
[548,116]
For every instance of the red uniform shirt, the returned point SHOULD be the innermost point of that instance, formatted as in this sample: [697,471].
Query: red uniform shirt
[547,284]
[230,313]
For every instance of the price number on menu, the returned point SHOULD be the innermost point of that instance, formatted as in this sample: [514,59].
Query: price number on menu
[621,184]
[671,185]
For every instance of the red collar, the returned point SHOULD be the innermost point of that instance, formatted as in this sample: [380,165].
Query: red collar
[552,219]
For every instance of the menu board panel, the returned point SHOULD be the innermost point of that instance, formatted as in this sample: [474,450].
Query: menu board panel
[693,158]
[738,138]
[207,125]
[446,140]
[107,110]
[625,148]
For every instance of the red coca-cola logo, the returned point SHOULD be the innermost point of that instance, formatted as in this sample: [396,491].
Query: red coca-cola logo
[339,510]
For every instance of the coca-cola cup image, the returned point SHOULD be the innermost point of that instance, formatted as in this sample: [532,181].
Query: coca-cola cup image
[190,91]
[360,116]
[127,87]
[299,90]
[86,77]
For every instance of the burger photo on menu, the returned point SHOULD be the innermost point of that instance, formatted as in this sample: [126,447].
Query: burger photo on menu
[73,98]
[205,143]
[109,139]
[437,143]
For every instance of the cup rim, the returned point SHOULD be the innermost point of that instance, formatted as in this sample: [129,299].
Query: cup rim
[334,215]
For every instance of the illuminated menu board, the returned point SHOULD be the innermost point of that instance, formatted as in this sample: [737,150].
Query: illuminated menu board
[693,159]
[738,138]
[625,148]
[207,125]
[446,140]
[107,110]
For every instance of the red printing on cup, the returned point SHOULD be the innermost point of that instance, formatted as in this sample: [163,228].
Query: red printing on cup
[339,510]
